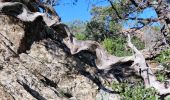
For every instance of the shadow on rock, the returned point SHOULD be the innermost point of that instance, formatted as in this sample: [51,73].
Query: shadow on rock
[34,93]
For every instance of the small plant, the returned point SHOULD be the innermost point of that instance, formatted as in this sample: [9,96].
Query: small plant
[135,91]
[161,76]
[81,36]
[108,45]
[164,56]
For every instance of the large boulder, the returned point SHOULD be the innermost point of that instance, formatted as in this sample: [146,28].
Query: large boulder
[33,66]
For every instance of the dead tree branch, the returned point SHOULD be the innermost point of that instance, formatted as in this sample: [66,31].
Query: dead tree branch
[26,15]
[145,71]
[103,61]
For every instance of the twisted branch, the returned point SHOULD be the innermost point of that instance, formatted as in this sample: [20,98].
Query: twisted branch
[12,8]
[103,60]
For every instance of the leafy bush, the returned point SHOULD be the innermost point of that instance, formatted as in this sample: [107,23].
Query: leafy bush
[164,56]
[135,92]
[116,45]
[95,30]
[108,45]
[161,75]
[164,59]
[81,36]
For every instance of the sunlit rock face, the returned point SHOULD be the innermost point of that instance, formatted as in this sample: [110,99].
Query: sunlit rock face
[18,35]
[33,66]
[12,32]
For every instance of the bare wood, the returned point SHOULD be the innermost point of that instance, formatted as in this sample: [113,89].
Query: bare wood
[27,15]
[146,72]
[103,61]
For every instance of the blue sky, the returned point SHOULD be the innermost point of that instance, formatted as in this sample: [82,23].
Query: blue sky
[147,13]
[80,11]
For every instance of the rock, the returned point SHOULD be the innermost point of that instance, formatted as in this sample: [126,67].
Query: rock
[4,95]
[42,69]
[103,95]
[12,33]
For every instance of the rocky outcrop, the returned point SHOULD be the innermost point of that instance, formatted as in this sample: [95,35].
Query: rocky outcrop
[32,66]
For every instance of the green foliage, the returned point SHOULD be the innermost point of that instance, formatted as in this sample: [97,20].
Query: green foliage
[164,56]
[138,43]
[103,12]
[135,92]
[116,45]
[80,36]
[114,27]
[108,45]
[95,30]
[161,76]
[103,24]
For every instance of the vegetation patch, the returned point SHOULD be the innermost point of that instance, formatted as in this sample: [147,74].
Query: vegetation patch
[164,56]
[118,45]
[135,91]
[80,36]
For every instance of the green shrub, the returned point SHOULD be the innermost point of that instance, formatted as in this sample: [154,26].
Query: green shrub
[138,43]
[164,56]
[108,45]
[161,75]
[81,36]
[135,92]
[116,45]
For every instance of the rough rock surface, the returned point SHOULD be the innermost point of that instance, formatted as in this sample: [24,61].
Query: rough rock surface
[33,66]
[102,95]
